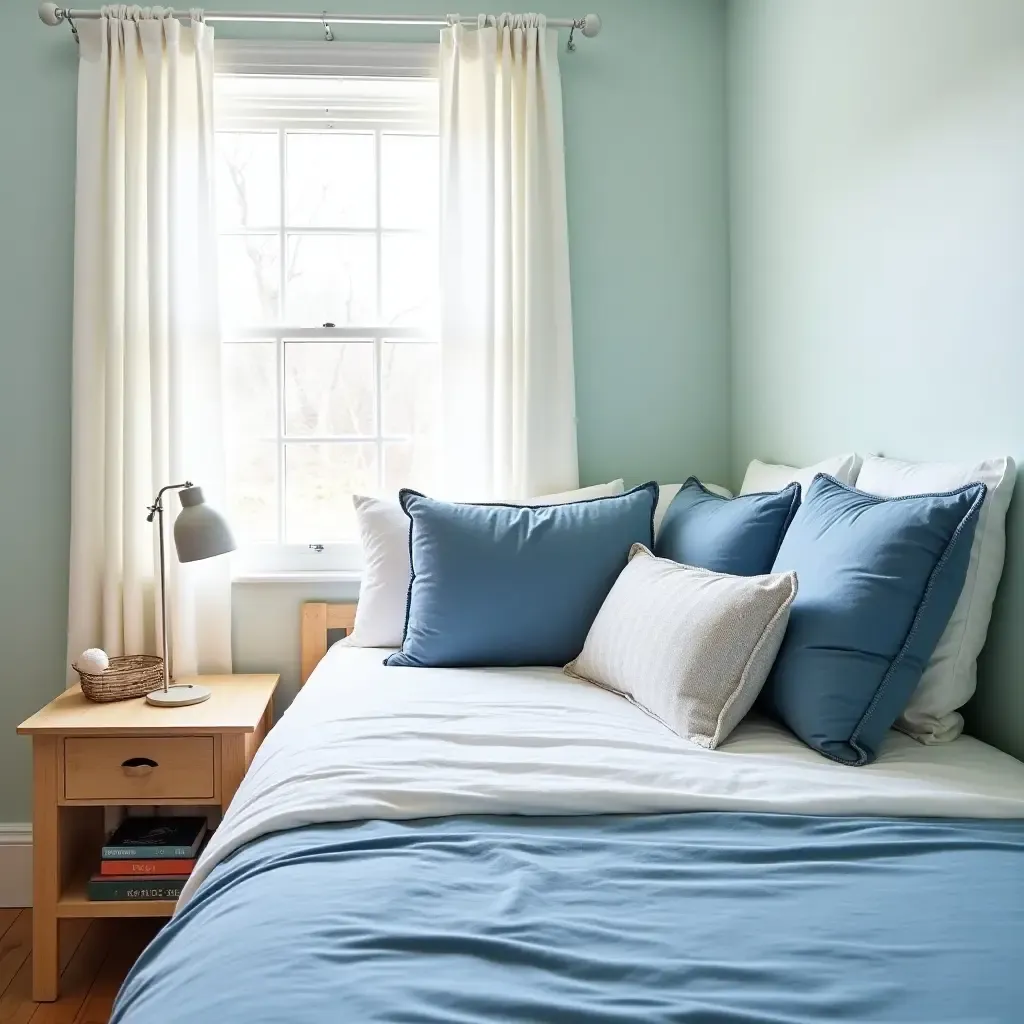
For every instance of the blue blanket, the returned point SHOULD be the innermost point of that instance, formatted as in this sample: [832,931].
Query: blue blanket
[708,917]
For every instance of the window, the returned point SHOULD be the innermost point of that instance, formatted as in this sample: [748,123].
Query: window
[327,200]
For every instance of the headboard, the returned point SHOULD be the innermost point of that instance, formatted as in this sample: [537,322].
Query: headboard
[318,618]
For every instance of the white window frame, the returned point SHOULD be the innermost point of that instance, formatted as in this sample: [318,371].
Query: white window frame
[320,113]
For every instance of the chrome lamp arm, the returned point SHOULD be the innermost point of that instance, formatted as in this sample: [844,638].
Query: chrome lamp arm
[157,510]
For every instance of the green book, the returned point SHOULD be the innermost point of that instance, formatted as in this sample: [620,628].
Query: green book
[133,887]
[163,838]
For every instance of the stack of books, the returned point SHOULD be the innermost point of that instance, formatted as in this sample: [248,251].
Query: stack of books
[148,859]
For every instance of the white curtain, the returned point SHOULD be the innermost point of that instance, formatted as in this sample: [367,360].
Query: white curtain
[506,322]
[146,397]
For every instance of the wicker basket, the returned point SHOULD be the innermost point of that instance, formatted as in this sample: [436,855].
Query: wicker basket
[134,675]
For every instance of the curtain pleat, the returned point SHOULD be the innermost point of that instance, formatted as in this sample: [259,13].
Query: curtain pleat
[146,398]
[506,322]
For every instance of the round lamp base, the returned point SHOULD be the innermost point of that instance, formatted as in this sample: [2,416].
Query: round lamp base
[179,695]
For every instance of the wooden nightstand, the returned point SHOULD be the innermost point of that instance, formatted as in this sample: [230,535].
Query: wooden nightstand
[79,755]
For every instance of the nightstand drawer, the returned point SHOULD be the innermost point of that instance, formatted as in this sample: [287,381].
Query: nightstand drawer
[139,768]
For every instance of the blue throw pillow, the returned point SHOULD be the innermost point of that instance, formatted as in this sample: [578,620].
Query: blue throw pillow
[510,584]
[879,578]
[740,536]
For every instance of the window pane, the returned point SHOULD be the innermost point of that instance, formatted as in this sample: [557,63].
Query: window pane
[250,390]
[410,387]
[248,192]
[410,464]
[249,279]
[409,292]
[250,416]
[252,490]
[321,479]
[409,196]
[331,279]
[330,180]
[329,388]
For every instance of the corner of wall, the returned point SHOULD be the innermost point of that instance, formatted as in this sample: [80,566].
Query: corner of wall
[735,470]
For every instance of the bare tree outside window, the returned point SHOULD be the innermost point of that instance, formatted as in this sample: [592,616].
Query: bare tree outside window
[328,279]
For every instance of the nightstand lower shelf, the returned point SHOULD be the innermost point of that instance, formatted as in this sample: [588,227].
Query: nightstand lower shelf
[74,902]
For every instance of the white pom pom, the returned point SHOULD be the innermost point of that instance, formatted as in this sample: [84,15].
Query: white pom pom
[93,661]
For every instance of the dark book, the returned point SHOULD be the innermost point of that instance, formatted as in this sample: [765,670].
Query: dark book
[152,865]
[156,838]
[127,887]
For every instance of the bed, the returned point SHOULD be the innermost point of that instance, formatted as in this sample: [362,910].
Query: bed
[420,845]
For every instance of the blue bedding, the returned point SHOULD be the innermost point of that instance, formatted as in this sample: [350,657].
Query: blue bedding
[710,918]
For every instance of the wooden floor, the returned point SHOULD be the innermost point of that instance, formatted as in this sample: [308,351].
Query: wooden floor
[95,956]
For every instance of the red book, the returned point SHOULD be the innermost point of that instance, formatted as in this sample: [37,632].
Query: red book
[123,868]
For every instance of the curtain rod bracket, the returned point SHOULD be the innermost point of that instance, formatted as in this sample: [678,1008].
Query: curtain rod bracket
[589,26]
[51,14]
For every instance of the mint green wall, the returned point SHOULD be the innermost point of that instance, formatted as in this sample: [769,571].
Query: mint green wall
[645,159]
[877,237]
[37,101]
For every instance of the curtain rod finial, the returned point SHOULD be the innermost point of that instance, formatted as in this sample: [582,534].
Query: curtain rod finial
[50,14]
[591,25]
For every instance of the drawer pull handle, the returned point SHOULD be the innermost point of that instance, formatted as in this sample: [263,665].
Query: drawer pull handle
[137,766]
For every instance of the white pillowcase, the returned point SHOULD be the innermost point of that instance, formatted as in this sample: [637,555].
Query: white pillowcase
[950,677]
[607,490]
[666,492]
[384,590]
[690,646]
[765,476]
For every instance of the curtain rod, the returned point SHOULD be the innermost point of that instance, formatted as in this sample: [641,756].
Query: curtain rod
[589,25]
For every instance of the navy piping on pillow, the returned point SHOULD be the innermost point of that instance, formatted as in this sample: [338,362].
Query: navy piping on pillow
[749,494]
[973,513]
[412,571]
[793,505]
[406,492]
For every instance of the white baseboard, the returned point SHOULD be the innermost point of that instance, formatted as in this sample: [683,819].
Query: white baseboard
[15,864]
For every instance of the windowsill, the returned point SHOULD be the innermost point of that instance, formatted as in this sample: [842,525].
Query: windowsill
[301,576]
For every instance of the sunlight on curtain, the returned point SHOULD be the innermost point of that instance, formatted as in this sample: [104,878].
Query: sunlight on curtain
[146,404]
[506,323]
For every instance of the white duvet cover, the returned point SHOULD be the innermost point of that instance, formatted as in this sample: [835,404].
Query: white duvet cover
[365,741]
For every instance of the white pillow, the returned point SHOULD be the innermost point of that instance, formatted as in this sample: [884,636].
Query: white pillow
[607,490]
[384,590]
[764,476]
[666,492]
[690,646]
[951,673]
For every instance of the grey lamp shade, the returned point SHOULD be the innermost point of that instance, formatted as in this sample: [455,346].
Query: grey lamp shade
[200,531]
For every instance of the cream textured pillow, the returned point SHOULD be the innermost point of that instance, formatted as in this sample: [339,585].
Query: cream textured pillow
[691,647]
[384,590]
